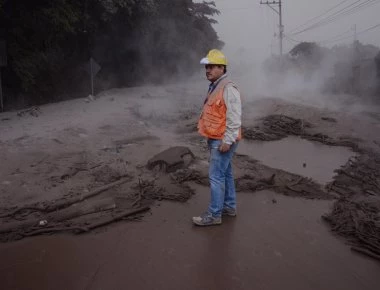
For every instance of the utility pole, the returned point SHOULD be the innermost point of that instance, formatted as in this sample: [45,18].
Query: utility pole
[356,63]
[279,12]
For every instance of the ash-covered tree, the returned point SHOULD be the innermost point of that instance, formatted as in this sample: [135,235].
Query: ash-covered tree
[308,52]
[49,42]
[163,40]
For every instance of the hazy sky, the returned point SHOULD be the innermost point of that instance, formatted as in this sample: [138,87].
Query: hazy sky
[251,29]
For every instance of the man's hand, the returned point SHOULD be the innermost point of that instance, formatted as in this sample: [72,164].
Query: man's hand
[224,147]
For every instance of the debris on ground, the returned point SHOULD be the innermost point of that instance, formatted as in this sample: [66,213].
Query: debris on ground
[116,216]
[329,119]
[188,174]
[33,111]
[171,159]
[90,98]
[106,174]
[356,215]
[360,175]
[253,176]
[100,192]
[163,188]
[277,127]
[359,222]
[116,195]
[260,177]
[20,222]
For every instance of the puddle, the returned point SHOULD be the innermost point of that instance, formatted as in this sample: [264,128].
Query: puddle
[299,156]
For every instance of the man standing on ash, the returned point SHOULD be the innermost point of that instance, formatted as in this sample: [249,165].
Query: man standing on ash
[220,123]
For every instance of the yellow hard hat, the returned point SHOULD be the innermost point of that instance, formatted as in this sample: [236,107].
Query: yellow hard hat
[214,56]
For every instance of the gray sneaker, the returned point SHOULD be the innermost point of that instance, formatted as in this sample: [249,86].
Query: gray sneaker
[207,219]
[227,211]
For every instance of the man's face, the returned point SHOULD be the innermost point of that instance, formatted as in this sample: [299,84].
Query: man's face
[214,72]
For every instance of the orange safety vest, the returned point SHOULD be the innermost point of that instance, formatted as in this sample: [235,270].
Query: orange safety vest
[212,122]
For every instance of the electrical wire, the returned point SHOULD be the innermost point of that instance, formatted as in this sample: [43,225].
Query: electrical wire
[337,15]
[329,17]
[359,33]
[338,37]
[335,37]
[316,17]
[287,37]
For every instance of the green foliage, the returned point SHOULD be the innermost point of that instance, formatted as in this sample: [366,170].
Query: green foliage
[134,41]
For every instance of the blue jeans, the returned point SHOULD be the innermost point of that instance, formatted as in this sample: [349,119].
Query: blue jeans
[222,183]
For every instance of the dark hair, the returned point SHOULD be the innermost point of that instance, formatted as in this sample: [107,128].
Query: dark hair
[225,69]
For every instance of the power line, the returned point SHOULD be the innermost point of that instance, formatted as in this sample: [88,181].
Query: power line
[336,17]
[357,8]
[338,37]
[339,14]
[359,33]
[330,16]
[316,17]
[287,37]
[335,37]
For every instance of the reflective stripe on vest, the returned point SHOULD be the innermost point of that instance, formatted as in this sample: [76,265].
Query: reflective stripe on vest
[212,122]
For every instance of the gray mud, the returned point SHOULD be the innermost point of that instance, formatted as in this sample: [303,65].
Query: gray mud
[358,221]
[159,171]
[151,182]
[277,127]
